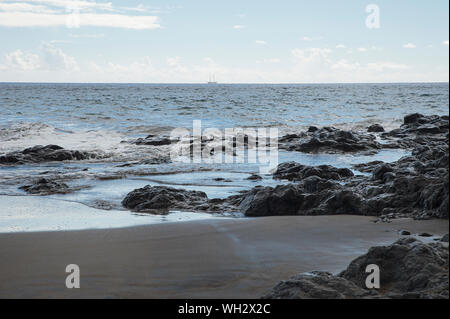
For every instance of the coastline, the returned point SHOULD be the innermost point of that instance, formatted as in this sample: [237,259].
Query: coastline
[232,258]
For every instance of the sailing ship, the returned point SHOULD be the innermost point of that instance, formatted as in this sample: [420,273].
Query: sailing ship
[212,80]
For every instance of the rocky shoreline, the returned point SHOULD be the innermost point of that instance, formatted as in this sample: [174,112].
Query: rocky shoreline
[409,269]
[414,186]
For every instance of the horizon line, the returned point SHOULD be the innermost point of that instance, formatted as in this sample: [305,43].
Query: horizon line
[223,83]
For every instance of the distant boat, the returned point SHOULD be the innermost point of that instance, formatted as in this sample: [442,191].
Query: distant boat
[212,80]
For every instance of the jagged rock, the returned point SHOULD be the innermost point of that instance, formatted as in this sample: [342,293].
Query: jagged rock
[254,177]
[330,140]
[404,233]
[48,153]
[376,128]
[46,187]
[445,238]
[317,285]
[153,140]
[162,198]
[425,235]
[418,130]
[408,269]
[293,171]
[313,196]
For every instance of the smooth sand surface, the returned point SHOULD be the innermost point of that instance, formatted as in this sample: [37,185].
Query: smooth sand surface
[223,258]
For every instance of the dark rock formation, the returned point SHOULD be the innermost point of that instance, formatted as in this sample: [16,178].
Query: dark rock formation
[39,154]
[408,269]
[254,177]
[329,140]
[46,187]
[293,171]
[153,198]
[153,140]
[418,130]
[375,128]
[415,186]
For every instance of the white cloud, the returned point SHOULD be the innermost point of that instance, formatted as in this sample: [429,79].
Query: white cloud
[261,42]
[445,42]
[238,26]
[54,13]
[409,46]
[80,4]
[20,7]
[22,60]
[55,59]
[362,49]
[28,19]
[340,46]
[49,58]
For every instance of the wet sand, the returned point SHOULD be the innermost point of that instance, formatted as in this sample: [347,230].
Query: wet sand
[223,258]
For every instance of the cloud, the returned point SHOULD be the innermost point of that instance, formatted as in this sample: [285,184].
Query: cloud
[239,26]
[55,13]
[445,42]
[340,46]
[362,49]
[22,60]
[409,46]
[48,58]
[80,4]
[20,7]
[261,42]
[28,19]
[55,59]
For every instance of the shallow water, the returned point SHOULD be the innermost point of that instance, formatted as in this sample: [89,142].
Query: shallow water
[32,213]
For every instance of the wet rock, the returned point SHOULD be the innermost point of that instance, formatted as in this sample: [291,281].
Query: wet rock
[163,198]
[153,140]
[408,269]
[380,170]
[44,186]
[418,130]
[404,233]
[312,129]
[317,285]
[293,171]
[254,177]
[445,238]
[268,201]
[330,140]
[425,235]
[313,196]
[376,128]
[40,154]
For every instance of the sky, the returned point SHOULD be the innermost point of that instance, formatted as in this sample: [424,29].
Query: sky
[251,41]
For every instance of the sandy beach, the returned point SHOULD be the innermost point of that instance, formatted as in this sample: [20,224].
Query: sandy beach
[223,258]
